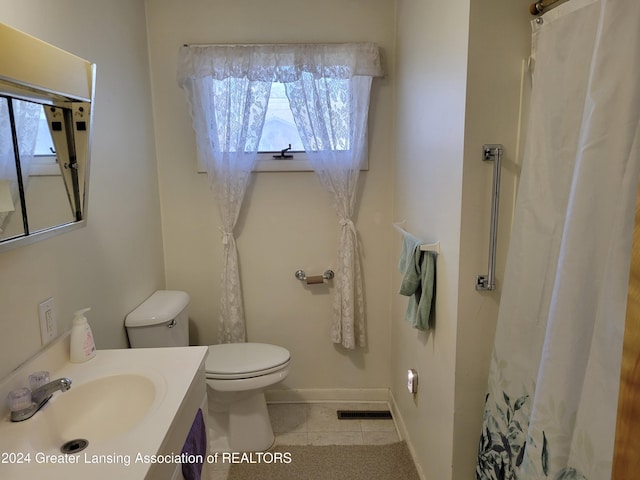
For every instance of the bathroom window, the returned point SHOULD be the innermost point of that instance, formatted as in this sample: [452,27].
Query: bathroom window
[279,127]
[233,88]
[280,148]
[279,133]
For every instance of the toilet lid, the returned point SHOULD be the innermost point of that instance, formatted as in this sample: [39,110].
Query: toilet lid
[242,360]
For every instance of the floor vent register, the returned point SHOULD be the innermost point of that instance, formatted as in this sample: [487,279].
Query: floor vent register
[364,414]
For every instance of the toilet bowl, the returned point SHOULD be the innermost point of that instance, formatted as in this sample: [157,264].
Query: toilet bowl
[236,373]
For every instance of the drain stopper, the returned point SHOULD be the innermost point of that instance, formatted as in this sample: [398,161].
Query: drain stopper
[74,446]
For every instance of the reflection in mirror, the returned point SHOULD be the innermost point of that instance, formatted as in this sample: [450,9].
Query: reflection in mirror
[10,221]
[50,196]
[45,123]
[48,200]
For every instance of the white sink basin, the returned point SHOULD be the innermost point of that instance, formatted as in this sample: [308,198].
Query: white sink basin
[95,411]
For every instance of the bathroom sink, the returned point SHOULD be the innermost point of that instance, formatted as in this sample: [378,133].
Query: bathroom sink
[96,410]
[130,405]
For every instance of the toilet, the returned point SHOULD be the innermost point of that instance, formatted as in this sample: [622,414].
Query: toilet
[236,373]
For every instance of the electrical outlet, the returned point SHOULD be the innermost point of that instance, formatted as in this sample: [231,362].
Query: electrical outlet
[48,321]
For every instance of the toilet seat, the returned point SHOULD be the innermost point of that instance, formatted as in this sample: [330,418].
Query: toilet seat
[232,361]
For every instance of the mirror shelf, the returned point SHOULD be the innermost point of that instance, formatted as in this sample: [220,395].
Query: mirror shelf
[46,113]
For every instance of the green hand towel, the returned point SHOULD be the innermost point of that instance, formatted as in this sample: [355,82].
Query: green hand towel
[409,264]
[418,282]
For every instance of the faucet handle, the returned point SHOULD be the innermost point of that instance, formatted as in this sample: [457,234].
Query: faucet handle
[38,379]
[19,399]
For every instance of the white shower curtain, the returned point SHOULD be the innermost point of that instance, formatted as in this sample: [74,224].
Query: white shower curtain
[551,405]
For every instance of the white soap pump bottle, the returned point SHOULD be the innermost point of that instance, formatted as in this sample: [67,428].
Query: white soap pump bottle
[83,347]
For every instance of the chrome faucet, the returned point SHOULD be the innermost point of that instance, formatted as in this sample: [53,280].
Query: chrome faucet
[39,397]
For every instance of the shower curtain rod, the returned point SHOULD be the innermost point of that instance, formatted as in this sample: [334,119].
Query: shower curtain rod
[539,7]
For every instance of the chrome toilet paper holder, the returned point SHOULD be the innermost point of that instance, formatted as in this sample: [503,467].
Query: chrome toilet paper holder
[327,275]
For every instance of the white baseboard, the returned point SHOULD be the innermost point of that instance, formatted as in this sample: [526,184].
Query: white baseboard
[315,395]
[404,433]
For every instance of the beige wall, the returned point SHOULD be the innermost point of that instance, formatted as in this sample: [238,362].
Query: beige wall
[431,71]
[287,222]
[459,77]
[116,261]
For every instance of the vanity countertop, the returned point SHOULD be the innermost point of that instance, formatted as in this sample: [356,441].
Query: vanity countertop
[151,445]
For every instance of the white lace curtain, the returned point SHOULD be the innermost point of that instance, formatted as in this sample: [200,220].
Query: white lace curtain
[228,115]
[328,87]
[331,115]
[26,117]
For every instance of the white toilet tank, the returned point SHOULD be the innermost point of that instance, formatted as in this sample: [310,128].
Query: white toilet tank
[162,320]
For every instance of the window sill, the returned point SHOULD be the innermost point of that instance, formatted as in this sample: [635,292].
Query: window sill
[299,163]
[44,166]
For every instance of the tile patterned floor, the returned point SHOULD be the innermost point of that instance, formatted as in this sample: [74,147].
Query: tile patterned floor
[317,424]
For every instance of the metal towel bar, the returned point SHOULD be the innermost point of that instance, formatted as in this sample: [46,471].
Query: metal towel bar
[425,247]
[492,152]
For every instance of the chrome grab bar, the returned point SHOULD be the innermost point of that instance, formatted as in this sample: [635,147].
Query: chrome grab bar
[492,152]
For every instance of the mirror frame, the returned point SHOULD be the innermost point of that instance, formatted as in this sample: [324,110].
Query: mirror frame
[32,69]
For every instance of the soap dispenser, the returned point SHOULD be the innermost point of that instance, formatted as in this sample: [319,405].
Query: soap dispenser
[83,347]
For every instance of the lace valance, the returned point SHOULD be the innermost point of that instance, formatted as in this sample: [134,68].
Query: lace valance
[278,63]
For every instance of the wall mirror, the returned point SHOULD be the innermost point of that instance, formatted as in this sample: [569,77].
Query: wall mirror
[46,110]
